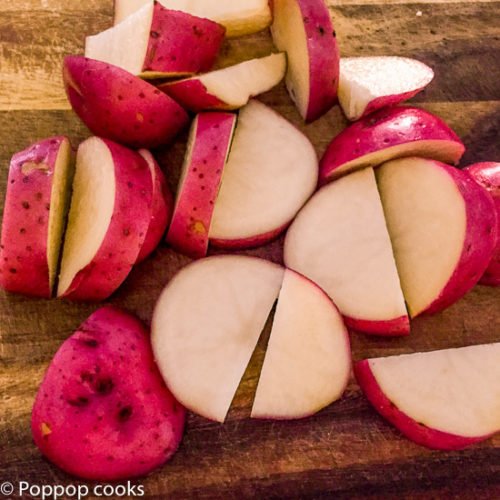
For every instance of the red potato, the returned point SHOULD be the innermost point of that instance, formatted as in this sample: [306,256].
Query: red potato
[488,175]
[369,83]
[340,241]
[119,106]
[208,147]
[270,173]
[308,357]
[161,207]
[239,18]
[157,42]
[228,88]
[202,345]
[109,217]
[443,230]
[102,410]
[303,29]
[444,400]
[36,204]
[388,134]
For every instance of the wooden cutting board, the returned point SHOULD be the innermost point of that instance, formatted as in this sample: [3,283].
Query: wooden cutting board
[347,450]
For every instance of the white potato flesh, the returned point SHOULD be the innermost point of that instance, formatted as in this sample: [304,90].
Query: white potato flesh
[454,390]
[363,79]
[124,45]
[206,325]
[59,201]
[92,205]
[289,36]
[308,359]
[236,84]
[271,171]
[340,241]
[426,218]
[240,17]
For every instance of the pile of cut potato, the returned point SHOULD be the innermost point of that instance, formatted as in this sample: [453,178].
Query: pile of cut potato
[383,229]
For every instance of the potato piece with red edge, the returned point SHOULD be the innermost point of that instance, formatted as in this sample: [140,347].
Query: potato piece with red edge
[34,215]
[304,30]
[369,83]
[161,207]
[444,400]
[206,325]
[308,357]
[120,106]
[206,154]
[108,219]
[340,241]
[271,171]
[228,88]
[103,411]
[239,18]
[388,134]
[488,175]
[443,230]
[156,42]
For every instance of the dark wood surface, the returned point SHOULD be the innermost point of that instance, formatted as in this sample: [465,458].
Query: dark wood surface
[347,450]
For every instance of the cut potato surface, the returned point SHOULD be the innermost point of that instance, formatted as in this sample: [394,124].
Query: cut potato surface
[453,391]
[303,29]
[441,226]
[270,173]
[241,17]
[340,241]
[228,88]
[206,325]
[308,359]
[388,134]
[370,83]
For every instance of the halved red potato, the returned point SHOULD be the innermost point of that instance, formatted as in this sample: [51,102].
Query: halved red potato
[443,230]
[206,154]
[119,106]
[108,219]
[161,207]
[242,17]
[102,411]
[270,173]
[158,42]
[488,175]
[369,83]
[308,357]
[304,30]
[206,325]
[388,134]
[445,400]
[36,204]
[228,88]
[340,241]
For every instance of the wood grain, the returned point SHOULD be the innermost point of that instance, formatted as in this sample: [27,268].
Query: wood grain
[346,450]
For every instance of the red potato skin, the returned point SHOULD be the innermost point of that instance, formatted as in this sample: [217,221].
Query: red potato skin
[479,244]
[102,411]
[193,95]
[182,43]
[416,432]
[119,106]
[126,233]
[392,328]
[161,208]
[487,174]
[251,242]
[189,229]
[23,248]
[389,100]
[381,130]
